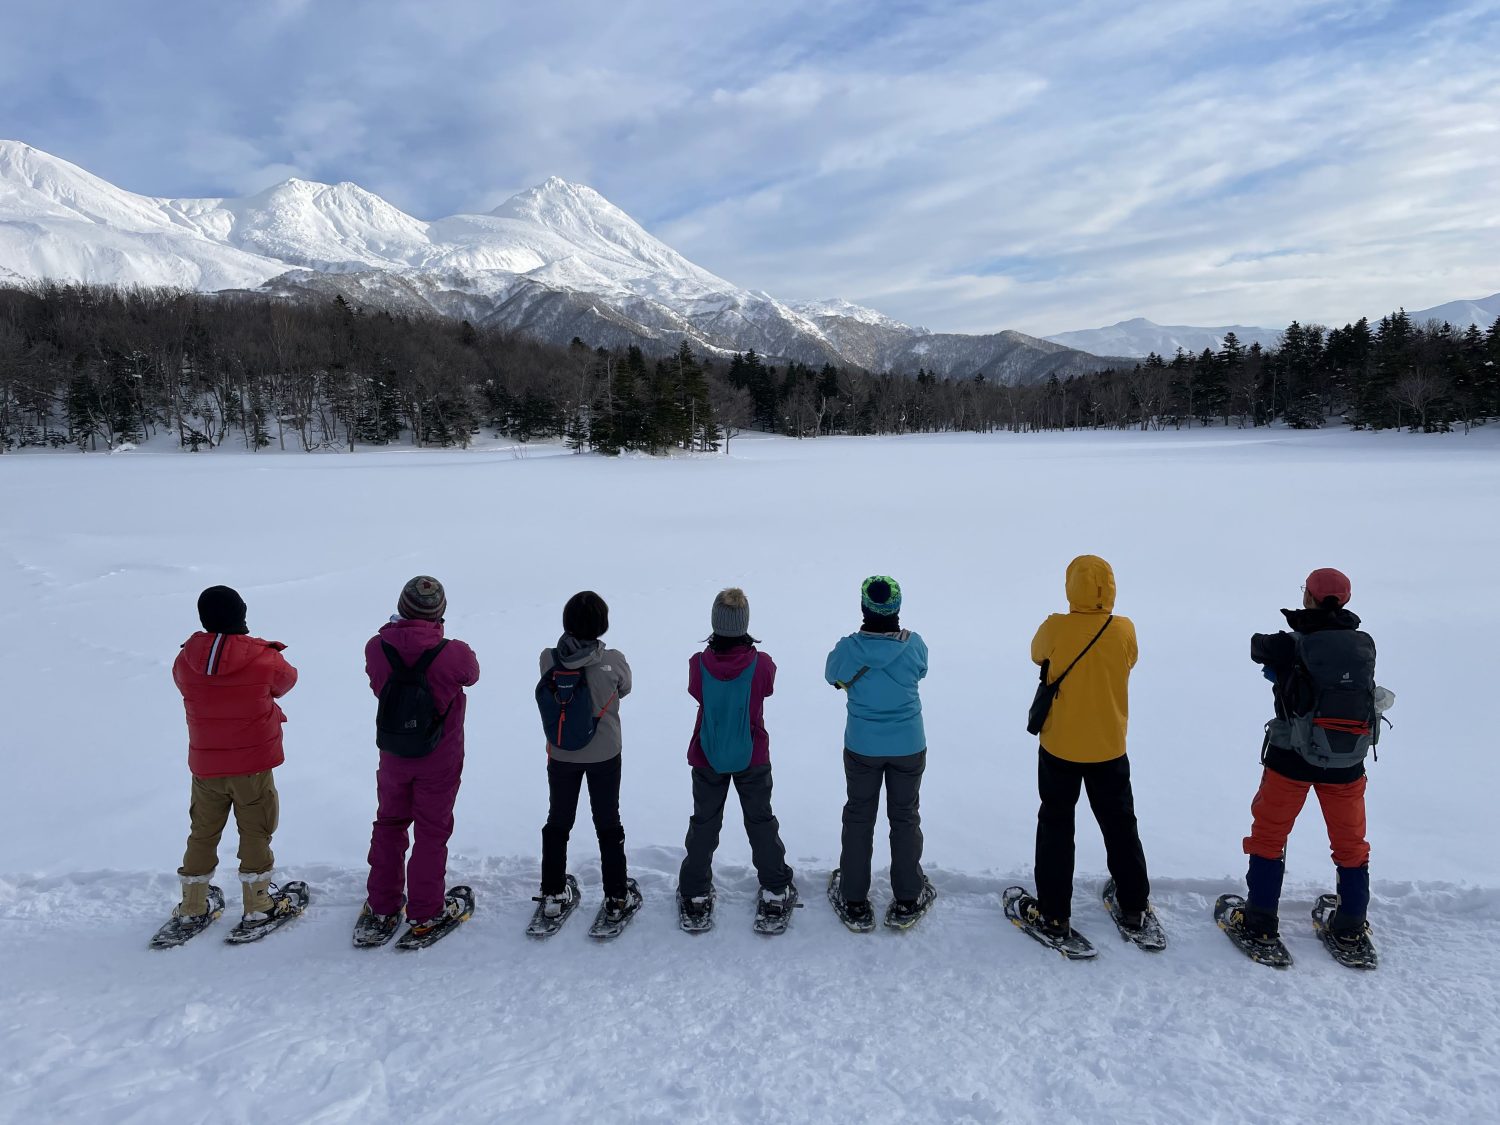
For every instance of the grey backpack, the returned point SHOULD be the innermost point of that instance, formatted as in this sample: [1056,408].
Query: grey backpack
[1330,703]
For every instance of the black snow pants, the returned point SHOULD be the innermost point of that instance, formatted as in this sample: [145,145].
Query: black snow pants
[564,781]
[1110,796]
[903,784]
[710,792]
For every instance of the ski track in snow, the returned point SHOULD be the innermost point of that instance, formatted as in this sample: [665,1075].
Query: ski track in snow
[962,1019]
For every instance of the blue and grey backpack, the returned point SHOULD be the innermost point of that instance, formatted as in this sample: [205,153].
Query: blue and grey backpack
[567,706]
[724,733]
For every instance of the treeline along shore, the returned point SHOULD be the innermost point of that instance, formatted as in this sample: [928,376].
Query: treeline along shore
[96,367]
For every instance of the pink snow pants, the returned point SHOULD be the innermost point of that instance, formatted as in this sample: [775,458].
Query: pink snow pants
[413,792]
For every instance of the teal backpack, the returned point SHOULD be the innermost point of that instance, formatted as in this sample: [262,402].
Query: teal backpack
[725,731]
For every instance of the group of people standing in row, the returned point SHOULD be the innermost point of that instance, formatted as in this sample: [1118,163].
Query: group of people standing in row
[230,683]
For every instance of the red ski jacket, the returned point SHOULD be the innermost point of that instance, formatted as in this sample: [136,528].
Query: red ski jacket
[229,686]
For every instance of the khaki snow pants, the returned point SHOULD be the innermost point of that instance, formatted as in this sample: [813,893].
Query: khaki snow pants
[257,809]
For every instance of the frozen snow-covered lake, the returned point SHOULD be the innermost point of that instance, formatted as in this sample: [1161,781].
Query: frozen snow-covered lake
[962,1019]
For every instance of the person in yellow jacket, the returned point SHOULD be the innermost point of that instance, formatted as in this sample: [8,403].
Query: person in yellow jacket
[1083,746]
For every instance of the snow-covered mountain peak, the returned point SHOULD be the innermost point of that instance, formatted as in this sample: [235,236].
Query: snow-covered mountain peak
[595,226]
[37,185]
[837,306]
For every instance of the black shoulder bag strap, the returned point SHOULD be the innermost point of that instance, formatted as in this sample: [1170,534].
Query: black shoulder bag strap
[1058,682]
[845,685]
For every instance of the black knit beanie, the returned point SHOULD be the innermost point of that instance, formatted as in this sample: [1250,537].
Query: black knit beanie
[222,610]
[586,616]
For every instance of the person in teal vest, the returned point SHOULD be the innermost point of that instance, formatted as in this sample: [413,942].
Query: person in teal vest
[731,679]
[878,669]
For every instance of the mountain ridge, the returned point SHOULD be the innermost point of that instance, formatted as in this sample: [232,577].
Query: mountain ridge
[557,260]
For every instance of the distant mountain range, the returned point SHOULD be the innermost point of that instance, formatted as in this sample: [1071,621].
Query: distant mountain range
[1140,337]
[556,261]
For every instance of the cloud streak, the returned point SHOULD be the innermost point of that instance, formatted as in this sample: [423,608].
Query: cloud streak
[970,167]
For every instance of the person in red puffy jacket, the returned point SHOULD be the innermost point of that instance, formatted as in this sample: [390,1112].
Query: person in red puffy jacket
[230,682]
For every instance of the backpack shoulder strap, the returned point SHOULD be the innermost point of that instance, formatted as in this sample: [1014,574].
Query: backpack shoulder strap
[393,657]
[424,661]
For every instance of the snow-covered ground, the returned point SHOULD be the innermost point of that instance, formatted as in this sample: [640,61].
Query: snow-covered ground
[101,559]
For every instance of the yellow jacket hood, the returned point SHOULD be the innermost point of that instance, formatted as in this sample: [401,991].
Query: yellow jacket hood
[1091,585]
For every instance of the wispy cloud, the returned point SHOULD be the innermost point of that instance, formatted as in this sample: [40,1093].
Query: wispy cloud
[968,166]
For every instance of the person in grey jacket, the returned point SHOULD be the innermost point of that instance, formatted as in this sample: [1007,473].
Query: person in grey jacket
[585,620]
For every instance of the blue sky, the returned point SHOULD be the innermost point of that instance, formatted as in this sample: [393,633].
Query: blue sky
[1034,165]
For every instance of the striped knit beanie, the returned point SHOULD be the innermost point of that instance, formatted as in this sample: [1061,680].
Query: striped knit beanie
[422,599]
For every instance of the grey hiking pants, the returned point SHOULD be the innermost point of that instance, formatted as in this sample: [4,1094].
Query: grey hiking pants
[903,784]
[710,792]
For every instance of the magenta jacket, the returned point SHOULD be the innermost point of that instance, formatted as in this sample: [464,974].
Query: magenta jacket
[455,668]
[725,666]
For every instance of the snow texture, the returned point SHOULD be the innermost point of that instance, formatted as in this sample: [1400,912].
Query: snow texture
[961,1019]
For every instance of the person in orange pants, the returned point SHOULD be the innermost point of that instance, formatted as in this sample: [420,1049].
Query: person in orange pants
[1288,776]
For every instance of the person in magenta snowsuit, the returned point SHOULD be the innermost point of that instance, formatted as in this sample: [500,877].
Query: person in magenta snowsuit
[730,680]
[418,791]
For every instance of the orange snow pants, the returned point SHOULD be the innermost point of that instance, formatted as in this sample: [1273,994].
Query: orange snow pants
[1280,799]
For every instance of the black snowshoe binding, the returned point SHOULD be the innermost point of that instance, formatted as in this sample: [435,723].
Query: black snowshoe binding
[179,928]
[553,910]
[1349,947]
[1147,934]
[856,915]
[286,903]
[905,915]
[1263,949]
[616,913]
[458,908]
[372,930]
[1022,910]
[773,913]
[696,915]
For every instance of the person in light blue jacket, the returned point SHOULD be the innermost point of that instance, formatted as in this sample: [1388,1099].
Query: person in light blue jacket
[878,668]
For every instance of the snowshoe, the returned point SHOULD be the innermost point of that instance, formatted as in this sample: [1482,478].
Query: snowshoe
[458,907]
[772,913]
[696,915]
[287,903]
[1148,935]
[899,916]
[859,918]
[1022,910]
[1229,913]
[553,910]
[1355,949]
[372,930]
[179,928]
[615,914]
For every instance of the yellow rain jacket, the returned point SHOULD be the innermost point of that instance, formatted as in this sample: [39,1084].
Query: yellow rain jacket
[1088,717]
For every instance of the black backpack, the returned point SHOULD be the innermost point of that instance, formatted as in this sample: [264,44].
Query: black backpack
[1331,719]
[407,722]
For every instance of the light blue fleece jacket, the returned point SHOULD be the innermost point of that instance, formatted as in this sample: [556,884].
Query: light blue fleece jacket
[885,711]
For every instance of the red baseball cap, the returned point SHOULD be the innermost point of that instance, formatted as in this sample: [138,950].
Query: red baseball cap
[1325,582]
